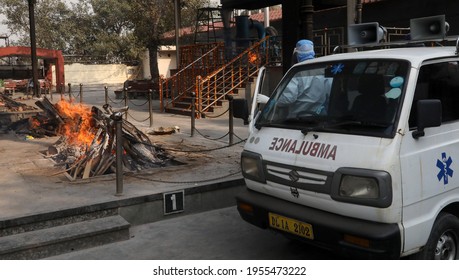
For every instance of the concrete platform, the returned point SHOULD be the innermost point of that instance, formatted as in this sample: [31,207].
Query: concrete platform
[36,195]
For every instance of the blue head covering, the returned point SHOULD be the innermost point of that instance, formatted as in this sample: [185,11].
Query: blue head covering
[304,50]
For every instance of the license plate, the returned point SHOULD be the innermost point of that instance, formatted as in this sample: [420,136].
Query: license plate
[291,225]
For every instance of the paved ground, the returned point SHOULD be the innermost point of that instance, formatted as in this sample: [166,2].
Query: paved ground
[219,234]
[31,184]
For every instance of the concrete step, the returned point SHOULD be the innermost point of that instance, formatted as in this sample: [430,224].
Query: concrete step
[183,106]
[219,111]
[16,225]
[178,111]
[38,244]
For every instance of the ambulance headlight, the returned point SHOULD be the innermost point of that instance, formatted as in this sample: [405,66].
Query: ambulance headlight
[359,187]
[252,166]
[362,186]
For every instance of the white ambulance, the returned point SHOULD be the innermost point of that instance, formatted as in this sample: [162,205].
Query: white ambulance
[359,153]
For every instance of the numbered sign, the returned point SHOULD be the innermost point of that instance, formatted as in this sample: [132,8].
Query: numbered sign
[174,202]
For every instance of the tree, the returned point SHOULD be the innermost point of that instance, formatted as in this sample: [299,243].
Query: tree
[156,18]
[117,30]
[51,17]
[147,27]
[113,31]
[98,28]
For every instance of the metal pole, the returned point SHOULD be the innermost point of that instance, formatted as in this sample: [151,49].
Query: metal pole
[352,12]
[266,17]
[353,16]
[307,21]
[193,114]
[359,8]
[230,120]
[81,93]
[69,93]
[33,48]
[177,30]
[150,106]
[118,118]
[106,94]
[126,101]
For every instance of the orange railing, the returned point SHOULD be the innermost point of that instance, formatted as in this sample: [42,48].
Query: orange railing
[172,88]
[212,89]
[211,79]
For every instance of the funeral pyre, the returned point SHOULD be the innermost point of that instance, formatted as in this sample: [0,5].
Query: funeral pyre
[7,104]
[87,143]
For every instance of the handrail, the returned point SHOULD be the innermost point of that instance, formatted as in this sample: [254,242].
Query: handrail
[189,52]
[226,79]
[182,81]
[212,81]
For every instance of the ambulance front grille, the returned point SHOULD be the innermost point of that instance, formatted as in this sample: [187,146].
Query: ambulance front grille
[298,177]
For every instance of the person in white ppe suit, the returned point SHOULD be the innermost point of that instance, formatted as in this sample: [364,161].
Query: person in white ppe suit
[308,91]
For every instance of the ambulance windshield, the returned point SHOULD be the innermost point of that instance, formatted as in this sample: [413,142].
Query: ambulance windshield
[352,97]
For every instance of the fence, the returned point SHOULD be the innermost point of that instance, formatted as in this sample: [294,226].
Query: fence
[78,93]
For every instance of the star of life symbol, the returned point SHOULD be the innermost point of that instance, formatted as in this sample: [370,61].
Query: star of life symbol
[338,68]
[445,170]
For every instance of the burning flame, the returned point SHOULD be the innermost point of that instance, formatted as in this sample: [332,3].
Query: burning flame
[77,127]
[34,123]
[253,57]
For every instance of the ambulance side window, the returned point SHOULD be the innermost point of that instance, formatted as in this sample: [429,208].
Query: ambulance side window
[438,81]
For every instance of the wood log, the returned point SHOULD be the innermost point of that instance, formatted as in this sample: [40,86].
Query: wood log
[50,109]
[58,147]
[87,169]
[99,157]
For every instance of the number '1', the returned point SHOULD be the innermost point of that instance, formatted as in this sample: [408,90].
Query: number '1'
[174,202]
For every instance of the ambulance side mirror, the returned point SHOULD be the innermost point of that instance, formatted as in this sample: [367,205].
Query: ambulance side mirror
[240,109]
[428,115]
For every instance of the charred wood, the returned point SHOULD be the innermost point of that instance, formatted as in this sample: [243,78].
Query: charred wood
[96,156]
[51,111]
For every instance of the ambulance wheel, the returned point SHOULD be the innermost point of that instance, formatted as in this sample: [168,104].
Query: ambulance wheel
[443,240]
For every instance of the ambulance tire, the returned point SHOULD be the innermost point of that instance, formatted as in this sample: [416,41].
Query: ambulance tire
[443,243]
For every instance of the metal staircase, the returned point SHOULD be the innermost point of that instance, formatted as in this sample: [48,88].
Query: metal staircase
[196,60]
[212,80]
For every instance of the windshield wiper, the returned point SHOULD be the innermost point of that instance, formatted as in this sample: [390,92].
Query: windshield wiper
[361,123]
[320,123]
[311,119]
[333,123]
